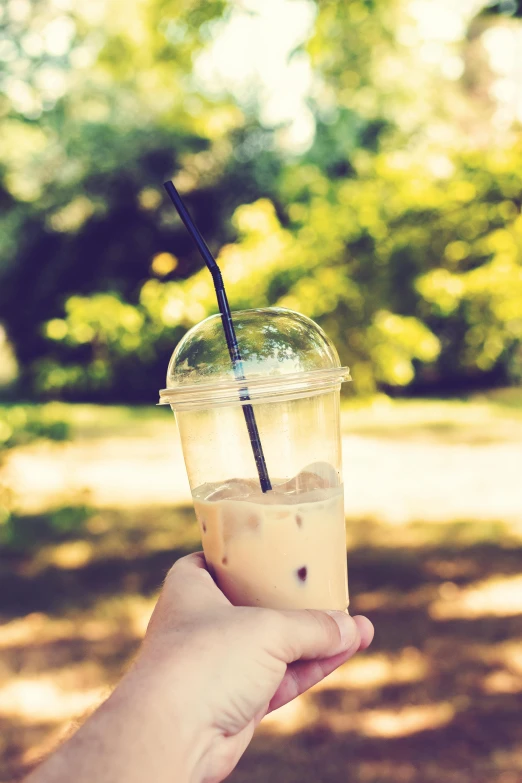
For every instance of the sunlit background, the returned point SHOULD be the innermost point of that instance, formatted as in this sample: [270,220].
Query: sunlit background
[360,162]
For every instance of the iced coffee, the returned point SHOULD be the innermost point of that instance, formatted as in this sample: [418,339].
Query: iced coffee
[279,549]
[283,546]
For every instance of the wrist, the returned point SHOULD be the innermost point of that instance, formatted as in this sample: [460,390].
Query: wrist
[140,733]
[171,717]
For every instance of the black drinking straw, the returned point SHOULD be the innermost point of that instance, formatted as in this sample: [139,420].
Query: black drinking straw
[230,334]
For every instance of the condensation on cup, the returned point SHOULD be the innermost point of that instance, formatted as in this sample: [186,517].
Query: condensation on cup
[285,548]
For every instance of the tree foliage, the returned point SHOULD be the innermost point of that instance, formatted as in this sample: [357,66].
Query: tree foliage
[405,248]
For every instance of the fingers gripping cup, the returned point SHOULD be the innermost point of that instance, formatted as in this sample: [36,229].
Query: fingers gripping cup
[284,548]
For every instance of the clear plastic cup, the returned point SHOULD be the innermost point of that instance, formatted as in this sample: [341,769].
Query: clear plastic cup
[286,548]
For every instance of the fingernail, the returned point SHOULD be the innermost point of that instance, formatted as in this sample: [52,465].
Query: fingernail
[347,628]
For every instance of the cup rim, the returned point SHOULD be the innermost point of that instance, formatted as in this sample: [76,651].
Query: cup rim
[267,388]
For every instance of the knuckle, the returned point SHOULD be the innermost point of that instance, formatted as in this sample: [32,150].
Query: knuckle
[171,578]
[174,569]
[273,622]
[178,567]
[316,618]
[326,625]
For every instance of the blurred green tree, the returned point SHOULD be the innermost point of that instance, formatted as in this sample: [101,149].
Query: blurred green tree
[402,242]
[97,110]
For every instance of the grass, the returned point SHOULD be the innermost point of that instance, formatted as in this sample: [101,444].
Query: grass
[378,414]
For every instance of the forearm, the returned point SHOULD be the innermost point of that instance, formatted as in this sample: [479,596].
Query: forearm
[136,735]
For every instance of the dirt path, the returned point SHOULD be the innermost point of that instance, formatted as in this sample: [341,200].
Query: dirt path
[394,479]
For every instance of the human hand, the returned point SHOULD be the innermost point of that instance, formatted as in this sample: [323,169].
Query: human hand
[221,668]
[205,676]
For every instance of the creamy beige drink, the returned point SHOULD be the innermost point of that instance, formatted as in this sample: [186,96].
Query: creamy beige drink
[285,549]
[270,540]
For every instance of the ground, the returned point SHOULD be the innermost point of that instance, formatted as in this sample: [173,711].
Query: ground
[434,521]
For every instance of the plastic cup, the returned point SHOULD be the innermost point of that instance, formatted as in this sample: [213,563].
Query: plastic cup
[286,548]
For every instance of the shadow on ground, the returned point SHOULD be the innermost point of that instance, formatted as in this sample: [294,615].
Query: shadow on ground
[436,699]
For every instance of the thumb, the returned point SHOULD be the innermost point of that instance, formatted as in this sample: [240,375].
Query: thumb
[313,634]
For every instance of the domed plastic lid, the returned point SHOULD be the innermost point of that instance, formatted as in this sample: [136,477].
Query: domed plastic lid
[285,355]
